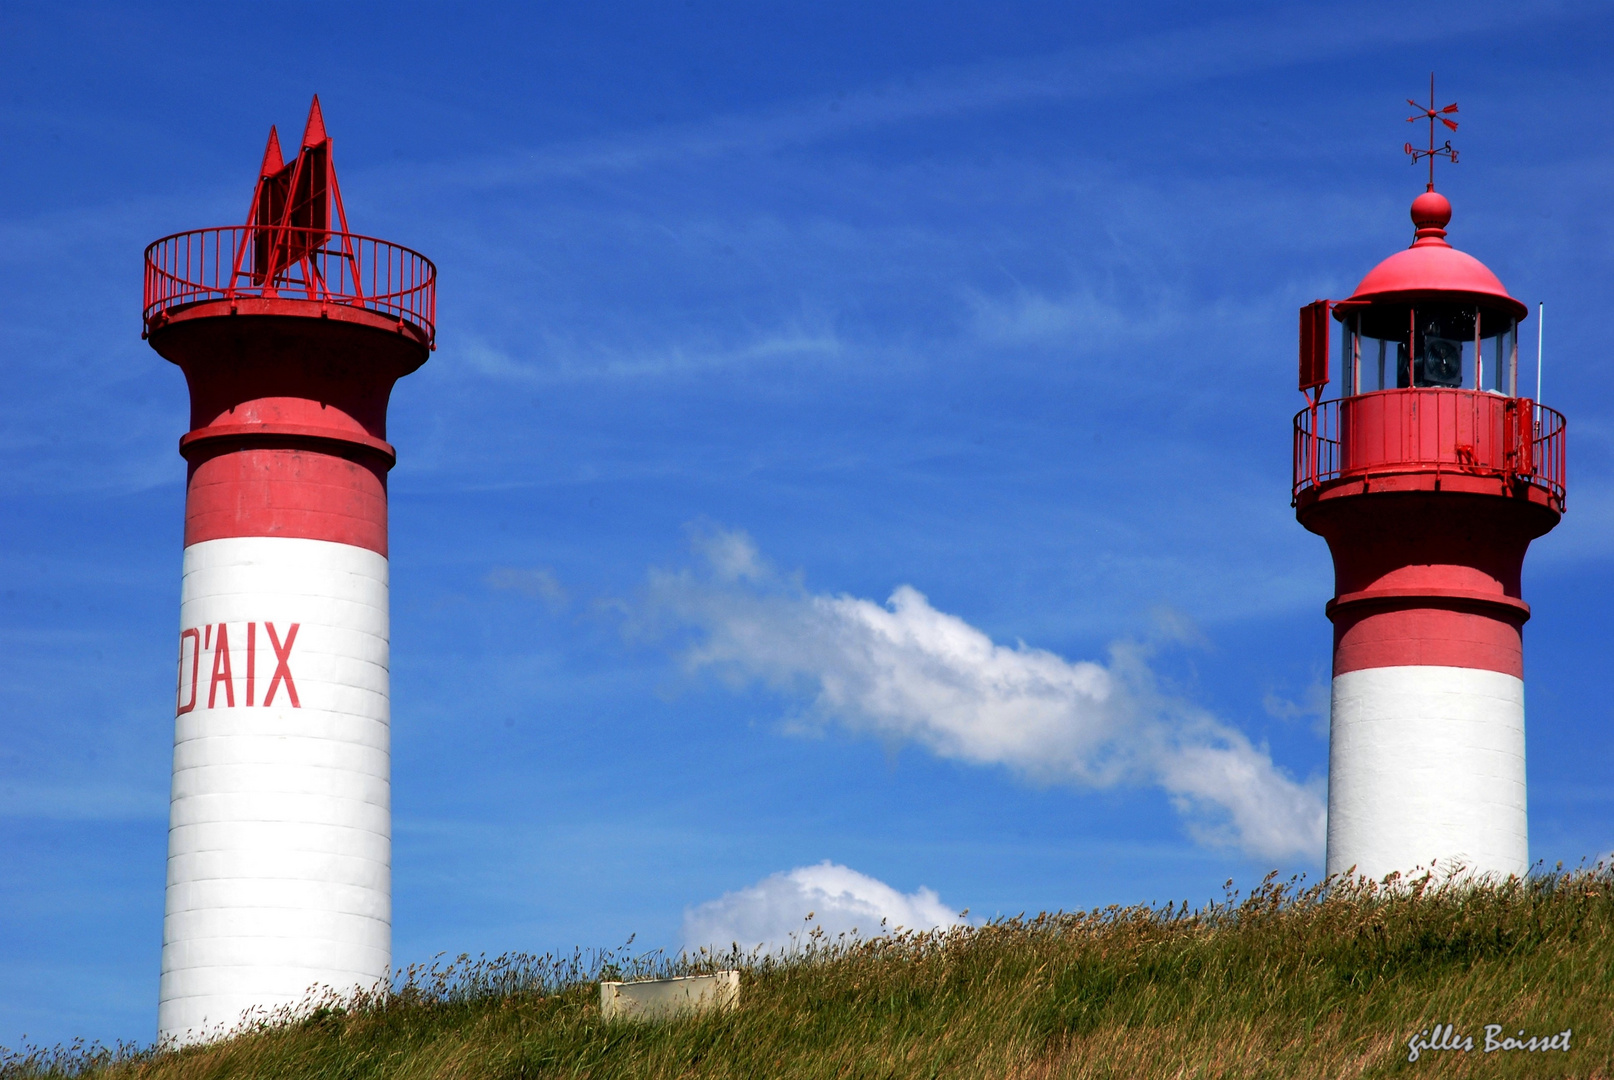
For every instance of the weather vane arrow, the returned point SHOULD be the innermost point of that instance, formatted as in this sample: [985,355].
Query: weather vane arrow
[1431,113]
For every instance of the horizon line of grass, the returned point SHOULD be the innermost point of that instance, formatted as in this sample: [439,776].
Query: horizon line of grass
[1321,980]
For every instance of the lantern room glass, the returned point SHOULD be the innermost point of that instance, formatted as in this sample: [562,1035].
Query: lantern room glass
[1460,346]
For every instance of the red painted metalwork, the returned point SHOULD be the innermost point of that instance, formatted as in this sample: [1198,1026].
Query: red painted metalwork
[1432,269]
[291,207]
[289,255]
[291,331]
[1375,440]
[1314,329]
[1432,114]
[373,275]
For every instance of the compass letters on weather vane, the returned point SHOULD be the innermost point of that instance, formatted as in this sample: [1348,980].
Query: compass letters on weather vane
[1431,113]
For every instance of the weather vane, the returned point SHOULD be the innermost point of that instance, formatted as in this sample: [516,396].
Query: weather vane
[1432,114]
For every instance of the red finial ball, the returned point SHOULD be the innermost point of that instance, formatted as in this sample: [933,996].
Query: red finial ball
[1431,210]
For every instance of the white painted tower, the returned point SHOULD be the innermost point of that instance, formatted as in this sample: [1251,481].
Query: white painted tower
[291,332]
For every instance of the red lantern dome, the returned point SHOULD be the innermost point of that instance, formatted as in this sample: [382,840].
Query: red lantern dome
[1431,268]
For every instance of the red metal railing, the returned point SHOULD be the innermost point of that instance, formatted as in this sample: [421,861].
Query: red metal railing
[1430,430]
[307,264]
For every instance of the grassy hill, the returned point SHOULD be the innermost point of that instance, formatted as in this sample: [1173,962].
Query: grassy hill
[1283,982]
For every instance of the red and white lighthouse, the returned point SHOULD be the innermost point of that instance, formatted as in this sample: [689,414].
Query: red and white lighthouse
[291,331]
[1429,476]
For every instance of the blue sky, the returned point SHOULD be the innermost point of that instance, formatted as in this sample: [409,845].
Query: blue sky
[753,318]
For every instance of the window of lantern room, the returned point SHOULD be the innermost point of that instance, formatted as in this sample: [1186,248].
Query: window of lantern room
[1388,347]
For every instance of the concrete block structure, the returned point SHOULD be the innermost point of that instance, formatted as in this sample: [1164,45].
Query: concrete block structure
[662,999]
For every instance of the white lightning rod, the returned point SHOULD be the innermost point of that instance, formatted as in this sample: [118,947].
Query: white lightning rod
[1541,315]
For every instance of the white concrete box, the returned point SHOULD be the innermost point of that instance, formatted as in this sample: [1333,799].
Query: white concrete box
[656,999]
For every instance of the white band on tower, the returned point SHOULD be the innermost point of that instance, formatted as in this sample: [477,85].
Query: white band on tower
[279,865]
[1427,763]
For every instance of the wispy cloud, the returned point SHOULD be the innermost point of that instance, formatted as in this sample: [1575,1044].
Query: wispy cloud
[1219,48]
[558,361]
[1313,706]
[1079,319]
[535,583]
[780,911]
[906,672]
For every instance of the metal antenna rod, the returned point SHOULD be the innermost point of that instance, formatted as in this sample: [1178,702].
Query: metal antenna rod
[1431,131]
[1541,318]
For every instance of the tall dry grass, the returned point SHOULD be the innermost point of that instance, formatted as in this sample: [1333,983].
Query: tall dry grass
[1287,981]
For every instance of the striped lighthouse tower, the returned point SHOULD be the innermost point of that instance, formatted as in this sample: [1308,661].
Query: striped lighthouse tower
[1429,476]
[291,332]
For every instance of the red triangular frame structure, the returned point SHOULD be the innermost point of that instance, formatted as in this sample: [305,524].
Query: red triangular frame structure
[289,221]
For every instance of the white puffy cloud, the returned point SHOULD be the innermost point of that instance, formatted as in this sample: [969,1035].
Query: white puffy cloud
[906,671]
[778,912]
